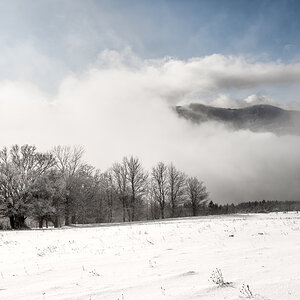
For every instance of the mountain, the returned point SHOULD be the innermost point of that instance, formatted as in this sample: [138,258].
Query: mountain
[257,118]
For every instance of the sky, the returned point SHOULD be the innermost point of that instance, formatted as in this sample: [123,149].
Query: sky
[105,74]
[67,36]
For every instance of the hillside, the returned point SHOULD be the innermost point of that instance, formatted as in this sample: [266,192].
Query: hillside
[257,118]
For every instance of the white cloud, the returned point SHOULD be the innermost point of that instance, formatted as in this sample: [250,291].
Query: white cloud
[226,100]
[115,110]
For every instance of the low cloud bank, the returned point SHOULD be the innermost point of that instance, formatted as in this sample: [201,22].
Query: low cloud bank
[119,108]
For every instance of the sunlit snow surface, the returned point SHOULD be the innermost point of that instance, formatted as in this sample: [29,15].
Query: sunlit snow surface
[172,259]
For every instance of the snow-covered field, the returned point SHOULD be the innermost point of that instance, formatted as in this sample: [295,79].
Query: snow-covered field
[157,260]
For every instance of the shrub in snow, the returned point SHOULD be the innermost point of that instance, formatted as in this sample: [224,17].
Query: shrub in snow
[218,279]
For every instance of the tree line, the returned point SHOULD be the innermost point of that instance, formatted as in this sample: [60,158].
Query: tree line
[59,187]
[264,206]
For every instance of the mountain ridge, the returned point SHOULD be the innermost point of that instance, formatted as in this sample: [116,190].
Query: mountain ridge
[257,118]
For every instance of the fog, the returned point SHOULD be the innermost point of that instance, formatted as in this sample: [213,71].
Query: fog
[122,105]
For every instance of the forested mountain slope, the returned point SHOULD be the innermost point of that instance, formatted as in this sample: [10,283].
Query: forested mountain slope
[258,118]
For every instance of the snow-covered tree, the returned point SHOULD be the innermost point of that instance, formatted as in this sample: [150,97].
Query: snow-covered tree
[20,168]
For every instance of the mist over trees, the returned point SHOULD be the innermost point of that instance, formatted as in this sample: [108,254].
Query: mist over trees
[59,187]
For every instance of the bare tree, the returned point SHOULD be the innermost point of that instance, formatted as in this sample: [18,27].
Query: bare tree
[69,162]
[69,159]
[120,183]
[197,194]
[89,195]
[138,183]
[92,200]
[108,193]
[176,186]
[159,186]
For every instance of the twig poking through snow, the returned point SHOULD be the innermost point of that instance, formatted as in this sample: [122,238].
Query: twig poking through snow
[149,242]
[245,291]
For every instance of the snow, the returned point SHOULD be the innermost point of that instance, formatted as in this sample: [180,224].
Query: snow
[172,259]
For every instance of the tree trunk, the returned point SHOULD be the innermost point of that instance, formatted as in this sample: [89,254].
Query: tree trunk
[173,208]
[133,204]
[12,222]
[74,219]
[110,208]
[124,210]
[17,222]
[129,213]
[195,210]
[41,221]
[133,212]
[21,222]
[67,220]
[162,211]
[56,222]
[67,214]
